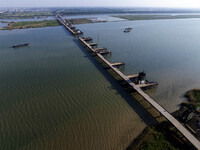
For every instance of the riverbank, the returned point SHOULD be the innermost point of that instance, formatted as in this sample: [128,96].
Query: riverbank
[193,96]
[155,17]
[189,112]
[83,20]
[164,136]
[160,136]
[191,106]
[30,24]
[46,23]
[25,15]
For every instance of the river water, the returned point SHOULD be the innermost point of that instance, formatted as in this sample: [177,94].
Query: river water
[168,50]
[54,95]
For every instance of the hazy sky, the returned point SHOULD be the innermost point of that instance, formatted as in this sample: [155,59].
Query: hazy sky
[108,3]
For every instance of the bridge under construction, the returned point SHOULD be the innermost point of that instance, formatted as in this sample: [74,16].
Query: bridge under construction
[137,87]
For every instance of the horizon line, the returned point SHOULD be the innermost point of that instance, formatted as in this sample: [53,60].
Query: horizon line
[100,7]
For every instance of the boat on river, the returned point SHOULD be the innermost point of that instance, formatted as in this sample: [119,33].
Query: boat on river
[21,45]
[128,29]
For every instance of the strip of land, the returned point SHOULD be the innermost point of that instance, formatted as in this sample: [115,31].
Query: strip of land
[47,23]
[83,20]
[50,23]
[155,17]
[25,15]
[31,24]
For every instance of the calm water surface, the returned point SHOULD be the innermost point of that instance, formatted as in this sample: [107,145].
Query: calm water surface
[168,50]
[102,17]
[3,24]
[54,95]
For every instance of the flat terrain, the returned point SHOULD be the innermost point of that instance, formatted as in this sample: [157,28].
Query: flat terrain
[83,20]
[155,17]
[31,24]
[46,23]
[25,15]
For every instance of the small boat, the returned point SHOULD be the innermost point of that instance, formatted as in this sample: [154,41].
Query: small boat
[20,45]
[128,29]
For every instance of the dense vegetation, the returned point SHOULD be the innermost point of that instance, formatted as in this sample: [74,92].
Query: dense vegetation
[193,97]
[46,23]
[20,15]
[31,24]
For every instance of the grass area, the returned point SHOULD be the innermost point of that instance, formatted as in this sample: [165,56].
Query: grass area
[155,17]
[24,15]
[157,141]
[193,98]
[160,137]
[193,95]
[31,24]
[46,23]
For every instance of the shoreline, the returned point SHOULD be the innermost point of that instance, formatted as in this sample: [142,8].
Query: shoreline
[45,23]
[189,112]
[160,136]
[48,26]
[30,24]
[164,135]
[156,17]
[48,23]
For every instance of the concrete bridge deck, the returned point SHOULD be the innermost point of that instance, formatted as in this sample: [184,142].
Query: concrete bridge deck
[100,49]
[133,76]
[118,64]
[146,85]
[93,44]
[66,26]
[105,52]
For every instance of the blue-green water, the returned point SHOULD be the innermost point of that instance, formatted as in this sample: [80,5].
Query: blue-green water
[54,95]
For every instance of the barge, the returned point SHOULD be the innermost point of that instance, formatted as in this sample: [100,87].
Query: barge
[128,29]
[20,45]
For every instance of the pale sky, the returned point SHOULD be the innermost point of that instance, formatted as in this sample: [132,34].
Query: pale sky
[101,3]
